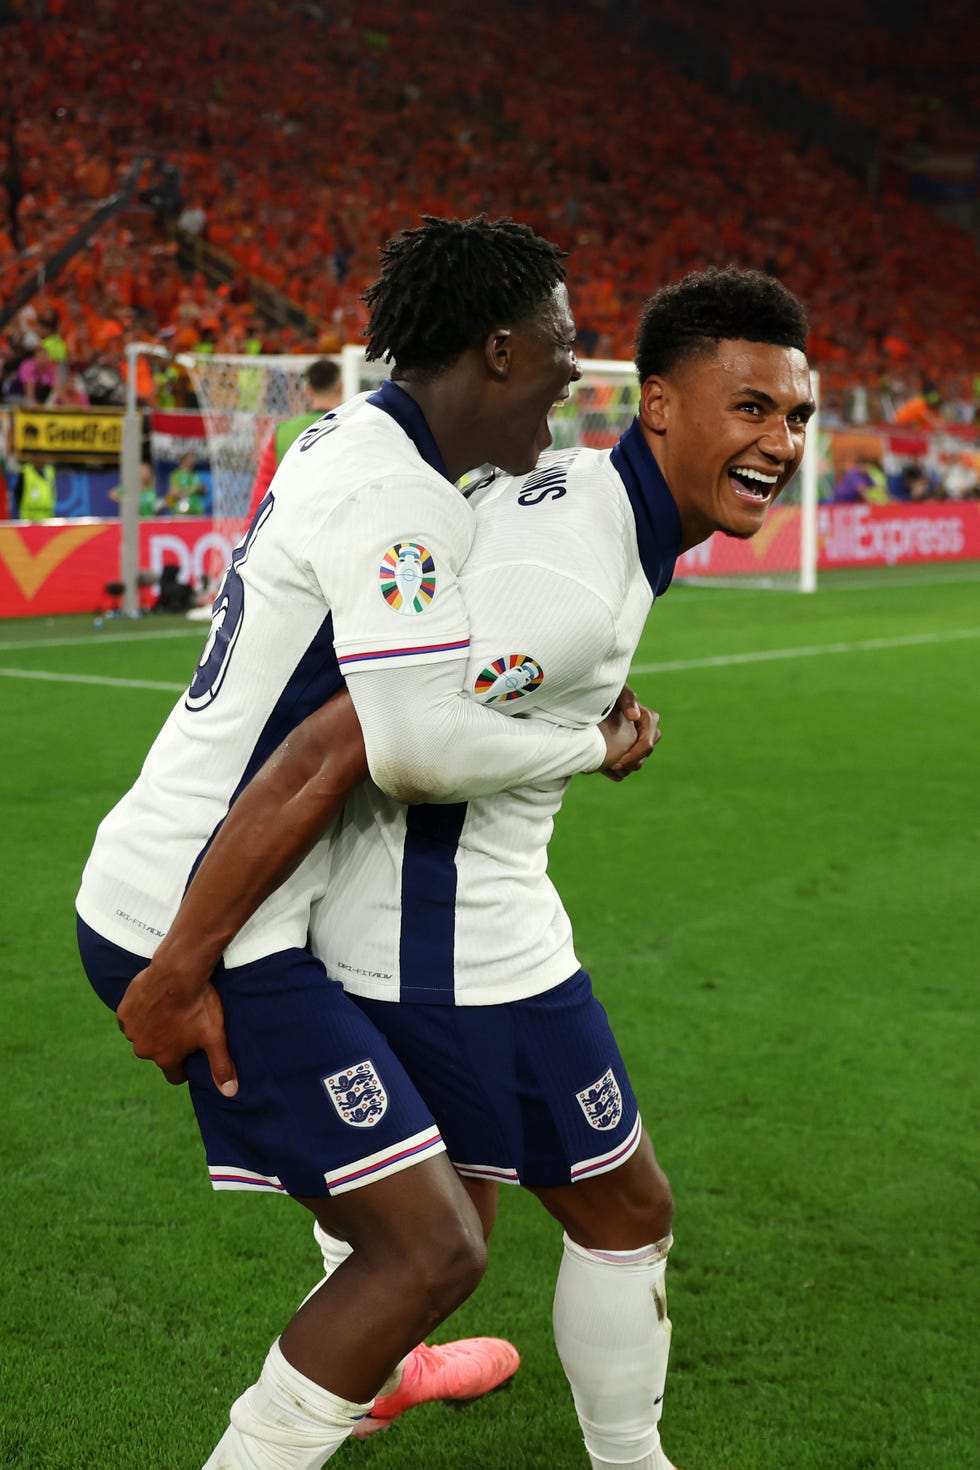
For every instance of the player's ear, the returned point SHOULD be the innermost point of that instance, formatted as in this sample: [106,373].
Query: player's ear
[654,397]
[498,351]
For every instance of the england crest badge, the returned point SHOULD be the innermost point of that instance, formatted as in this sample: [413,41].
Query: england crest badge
[602,1102]
[357,1094]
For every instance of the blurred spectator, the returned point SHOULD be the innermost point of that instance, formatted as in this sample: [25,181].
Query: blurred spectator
[103,381]
[151,503]
[921,411]
[38,495]
[38,376]
[52,341]
[69,391]
[193,218]
[864,481]
[915,483]
[959,478]
[186,491]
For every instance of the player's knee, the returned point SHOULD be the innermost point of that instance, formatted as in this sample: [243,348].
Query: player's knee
[629,1207]
[642,1204]
[448,1263]
[660,1206]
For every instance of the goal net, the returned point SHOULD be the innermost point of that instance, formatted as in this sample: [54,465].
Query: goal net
[242,399]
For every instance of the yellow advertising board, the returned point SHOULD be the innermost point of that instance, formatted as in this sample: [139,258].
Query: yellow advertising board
[68,433]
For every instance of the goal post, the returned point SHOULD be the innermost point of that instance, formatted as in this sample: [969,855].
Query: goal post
[242,397]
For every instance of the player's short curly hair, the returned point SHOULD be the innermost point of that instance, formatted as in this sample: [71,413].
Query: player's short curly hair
[714,305]
[445,285]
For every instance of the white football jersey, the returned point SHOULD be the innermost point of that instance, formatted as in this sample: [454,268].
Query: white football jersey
[350,565]
[453,904]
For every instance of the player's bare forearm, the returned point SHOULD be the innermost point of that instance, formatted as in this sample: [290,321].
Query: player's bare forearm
[171,1009]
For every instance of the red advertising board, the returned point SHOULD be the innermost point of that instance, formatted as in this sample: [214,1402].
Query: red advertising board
[847,536]
[65,566]
[886,535]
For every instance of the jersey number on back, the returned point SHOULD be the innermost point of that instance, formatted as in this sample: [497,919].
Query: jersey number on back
[226,621]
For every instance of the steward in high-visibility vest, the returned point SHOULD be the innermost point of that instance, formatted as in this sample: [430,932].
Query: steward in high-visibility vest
[38,493]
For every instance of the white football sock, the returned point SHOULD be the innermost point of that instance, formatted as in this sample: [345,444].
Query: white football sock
[284,1422]
[613,1337]
[334,1251]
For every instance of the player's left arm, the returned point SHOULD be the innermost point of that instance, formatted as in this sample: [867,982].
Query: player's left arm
[171,1008]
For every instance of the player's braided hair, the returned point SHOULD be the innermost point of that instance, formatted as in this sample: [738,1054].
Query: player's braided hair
[447,284]
[709,306]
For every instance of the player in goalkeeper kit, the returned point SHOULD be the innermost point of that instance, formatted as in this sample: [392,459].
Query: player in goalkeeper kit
[349,574]
[440,920]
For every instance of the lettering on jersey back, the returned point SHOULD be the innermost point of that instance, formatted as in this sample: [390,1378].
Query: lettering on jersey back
[546,483]
[227,612]
[318,431]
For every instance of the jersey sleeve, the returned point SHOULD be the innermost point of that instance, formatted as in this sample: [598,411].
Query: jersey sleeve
[544,643]
[426,741]
[388,560]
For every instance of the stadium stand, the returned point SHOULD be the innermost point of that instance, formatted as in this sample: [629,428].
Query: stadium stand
[288,140]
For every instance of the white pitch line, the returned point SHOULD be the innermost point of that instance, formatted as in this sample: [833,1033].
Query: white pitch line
[90,679]
[94,639]
[718,661]
[767,655]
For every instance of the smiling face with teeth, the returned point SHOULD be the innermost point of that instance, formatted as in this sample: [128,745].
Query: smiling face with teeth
[727,426]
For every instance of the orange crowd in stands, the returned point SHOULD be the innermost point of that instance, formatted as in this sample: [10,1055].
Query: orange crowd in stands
[299,137]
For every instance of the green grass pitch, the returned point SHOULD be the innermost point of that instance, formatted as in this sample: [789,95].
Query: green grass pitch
[781,917]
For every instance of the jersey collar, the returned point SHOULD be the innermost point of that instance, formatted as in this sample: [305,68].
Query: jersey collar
[658,521]
[405,411]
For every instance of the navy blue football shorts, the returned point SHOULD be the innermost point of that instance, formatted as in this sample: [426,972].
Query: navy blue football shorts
[531,1092]
[323,1104]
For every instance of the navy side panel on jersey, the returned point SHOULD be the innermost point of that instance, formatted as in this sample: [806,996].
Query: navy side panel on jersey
[315,679]
[428,932]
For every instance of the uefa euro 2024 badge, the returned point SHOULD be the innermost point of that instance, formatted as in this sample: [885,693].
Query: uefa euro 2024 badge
[407,577]
[508,677]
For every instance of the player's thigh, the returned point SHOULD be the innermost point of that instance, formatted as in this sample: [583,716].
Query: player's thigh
[420,1212]
[628,1207]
